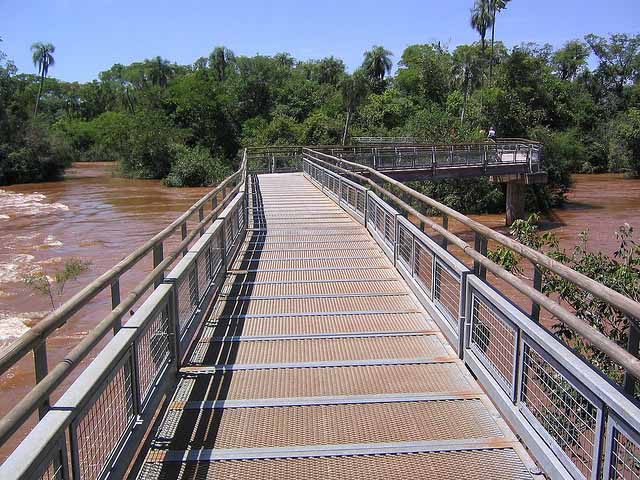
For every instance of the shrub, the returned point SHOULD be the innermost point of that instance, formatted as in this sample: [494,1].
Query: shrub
[194,166]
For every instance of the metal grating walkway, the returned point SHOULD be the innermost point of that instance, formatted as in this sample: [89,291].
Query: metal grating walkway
[318,363]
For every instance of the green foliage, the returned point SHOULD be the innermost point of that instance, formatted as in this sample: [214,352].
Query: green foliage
[620,272]
[587,118]
[52,286]
[194,166]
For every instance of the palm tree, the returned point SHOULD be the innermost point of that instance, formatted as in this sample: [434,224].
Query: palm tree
[353,90]
[377,62]
[219,61]
[161,71]
[466,71]
[42,55]
[495,6]
[481,21]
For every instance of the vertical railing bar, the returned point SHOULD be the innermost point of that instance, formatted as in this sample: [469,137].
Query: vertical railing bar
[41,369]
[158,255]
[200,219]
[183,234]
[445,224]
[115,301]
[480,245]
[633,342]
[537,284]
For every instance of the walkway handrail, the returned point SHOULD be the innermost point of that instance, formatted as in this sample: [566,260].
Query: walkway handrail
[616,299]
[36,338]
[625,304]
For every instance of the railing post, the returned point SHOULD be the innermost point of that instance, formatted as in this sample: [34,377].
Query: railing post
[158,256]
[183,233]
[200,219]
[480,247]
[115,301]
[41,369]
[633,342]
[537,284]
[445,224]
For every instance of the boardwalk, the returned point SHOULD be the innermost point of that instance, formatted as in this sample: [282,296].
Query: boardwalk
[317,362]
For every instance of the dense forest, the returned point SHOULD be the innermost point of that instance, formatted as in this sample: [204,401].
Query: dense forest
[186,123]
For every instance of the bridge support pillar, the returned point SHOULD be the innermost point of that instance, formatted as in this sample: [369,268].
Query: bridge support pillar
[516,191]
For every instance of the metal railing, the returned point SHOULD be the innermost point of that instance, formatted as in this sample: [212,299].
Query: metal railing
[576,423]
[98,423]
[526,154]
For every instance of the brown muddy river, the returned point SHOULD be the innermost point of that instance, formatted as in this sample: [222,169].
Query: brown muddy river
[97,217]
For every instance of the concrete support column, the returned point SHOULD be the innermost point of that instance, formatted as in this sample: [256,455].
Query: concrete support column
[516,190]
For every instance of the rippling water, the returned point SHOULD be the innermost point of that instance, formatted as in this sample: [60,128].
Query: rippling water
[91,215]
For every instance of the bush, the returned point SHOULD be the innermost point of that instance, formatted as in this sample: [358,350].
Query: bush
[146,146]
[37,157]
[194,166]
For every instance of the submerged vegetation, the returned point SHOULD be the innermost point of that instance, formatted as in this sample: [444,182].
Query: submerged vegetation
[186,123]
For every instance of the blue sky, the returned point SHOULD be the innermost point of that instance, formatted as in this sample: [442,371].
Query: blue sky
[92,35]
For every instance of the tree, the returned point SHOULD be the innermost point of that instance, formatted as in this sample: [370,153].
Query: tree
[220,61]
[330,71]
[466,72]
[571,59]
[481,21]
[377,62]
[353,90]
[161,71]
[619,58]
[40,282]
[42,55]
[495,7]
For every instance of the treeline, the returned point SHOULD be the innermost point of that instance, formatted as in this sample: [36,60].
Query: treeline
[186,123]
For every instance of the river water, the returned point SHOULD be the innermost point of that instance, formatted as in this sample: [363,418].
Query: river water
[100,218]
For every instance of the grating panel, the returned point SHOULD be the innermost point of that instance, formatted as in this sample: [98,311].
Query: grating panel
[101,426]
[310,325]
[152,351]
[494,340]
[325,381]
[319,350]
[327,424]
[447,292]
[379,262]
[568,416]
[308,253]
[319,275]
[625,458]
[399,303]
[318,288]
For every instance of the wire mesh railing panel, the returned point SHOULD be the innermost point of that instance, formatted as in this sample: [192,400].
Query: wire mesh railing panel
[187,295]
[405,242]
[560,409]
[53,472]
[624,461]
[97,432]
[494,339]
[389,228]
[423,271]
[53,468]
[361,201]
[153,351]
[228,233]
[447,293]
